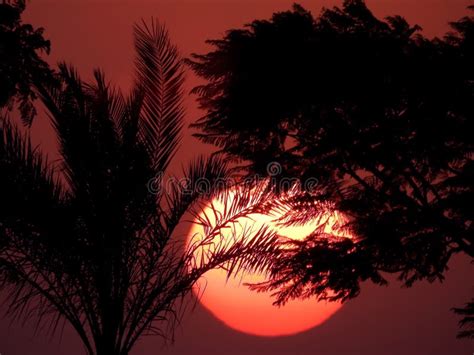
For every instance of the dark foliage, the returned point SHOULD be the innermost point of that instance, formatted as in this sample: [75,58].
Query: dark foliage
[467,322]
[94,243]
[20,63]
[380,115]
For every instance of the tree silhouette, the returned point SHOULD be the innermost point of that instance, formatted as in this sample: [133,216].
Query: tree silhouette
[94,243]
[20,62]
[380,115]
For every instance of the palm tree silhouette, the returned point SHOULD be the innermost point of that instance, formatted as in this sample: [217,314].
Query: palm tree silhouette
[93,244]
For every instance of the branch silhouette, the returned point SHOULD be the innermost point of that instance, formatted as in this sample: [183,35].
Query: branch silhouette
[379,114]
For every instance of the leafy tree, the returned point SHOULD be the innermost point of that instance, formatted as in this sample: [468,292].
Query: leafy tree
[380,115]
[94,243]
[20,61]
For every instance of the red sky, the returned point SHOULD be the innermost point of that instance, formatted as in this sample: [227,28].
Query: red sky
[390,320]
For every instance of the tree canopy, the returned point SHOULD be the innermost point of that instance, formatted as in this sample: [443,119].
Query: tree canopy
[21,64]
[379,114]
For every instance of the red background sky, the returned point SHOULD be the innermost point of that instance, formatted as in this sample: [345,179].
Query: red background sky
[389,320]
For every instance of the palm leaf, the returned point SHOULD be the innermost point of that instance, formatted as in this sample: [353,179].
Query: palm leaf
[29,188]
[35,219]
[201,179]
[467,322]
[159,75]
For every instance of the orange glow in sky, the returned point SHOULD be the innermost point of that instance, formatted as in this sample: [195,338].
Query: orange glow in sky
[230,301]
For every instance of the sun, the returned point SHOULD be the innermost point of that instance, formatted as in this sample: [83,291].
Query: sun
[231,302]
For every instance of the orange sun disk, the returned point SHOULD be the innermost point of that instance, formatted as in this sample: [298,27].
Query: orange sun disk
[230,301]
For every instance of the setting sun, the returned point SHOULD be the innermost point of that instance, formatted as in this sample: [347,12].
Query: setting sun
[229,300]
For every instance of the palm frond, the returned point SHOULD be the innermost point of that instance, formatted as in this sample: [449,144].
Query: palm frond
[30,189]
[174,271]
[467,322]
[227,230]
[202,178]
[67,107]
[108,100]
[35,220]
[159,74]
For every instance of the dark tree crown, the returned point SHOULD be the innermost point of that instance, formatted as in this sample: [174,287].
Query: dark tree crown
[380,115]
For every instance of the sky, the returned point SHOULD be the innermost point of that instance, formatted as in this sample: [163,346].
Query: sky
[382,320]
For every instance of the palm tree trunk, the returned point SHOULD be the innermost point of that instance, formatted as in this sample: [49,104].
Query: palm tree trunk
[109,349]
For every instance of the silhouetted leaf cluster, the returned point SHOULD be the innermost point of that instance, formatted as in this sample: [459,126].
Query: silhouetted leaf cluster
[380,115]
[20,62]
